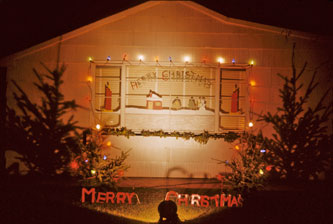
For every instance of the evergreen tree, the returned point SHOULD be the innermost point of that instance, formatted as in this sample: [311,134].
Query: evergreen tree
[249,168]
[300,147]
[39,132]
[94,162]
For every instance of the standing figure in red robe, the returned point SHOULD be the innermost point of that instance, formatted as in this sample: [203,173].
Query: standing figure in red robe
[235,100]
[108,97]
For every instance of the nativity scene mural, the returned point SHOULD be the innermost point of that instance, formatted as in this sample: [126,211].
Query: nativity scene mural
[170,94]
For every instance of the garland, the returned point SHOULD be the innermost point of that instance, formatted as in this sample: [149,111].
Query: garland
[201,138]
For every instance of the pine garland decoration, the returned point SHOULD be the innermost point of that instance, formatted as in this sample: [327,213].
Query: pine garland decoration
[201,138]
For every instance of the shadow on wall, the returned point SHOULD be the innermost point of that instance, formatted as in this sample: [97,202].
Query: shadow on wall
[13,165]
[176,170]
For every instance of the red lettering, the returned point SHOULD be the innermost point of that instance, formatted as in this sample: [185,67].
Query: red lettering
[182,198]
[110,196]
[240,200]
[101,197]
[165,75]
[170,193]
[233,202]
[195,199]
[121,196]
[134,85]
[154,75]
[216,198]
[85,191]
[129,197]
[225,199]
[187,75]
[204,201]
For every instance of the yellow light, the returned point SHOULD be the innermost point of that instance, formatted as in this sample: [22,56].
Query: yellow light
[90,59]
[108,143]
[156,59]
[89,79]
[220,60]
[252,83]
[251,124]
[141,57]
[93,172]
[236,147]
[98,126]
[187,59]
[251,62]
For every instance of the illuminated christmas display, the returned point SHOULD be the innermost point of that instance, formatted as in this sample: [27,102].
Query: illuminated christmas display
[169,111]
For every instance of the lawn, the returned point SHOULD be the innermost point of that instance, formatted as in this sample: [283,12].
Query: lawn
[150,198]
[55,202]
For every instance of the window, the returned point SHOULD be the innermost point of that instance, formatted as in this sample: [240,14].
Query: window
[233,94]
[107,94]
[171,98]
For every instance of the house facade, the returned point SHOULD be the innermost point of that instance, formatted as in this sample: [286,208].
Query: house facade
[202,71]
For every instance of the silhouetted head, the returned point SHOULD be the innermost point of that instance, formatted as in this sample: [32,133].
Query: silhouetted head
[168,212]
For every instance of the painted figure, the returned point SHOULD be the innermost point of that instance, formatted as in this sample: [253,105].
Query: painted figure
[108,97]
[202,103]
[235,100]
[192,104]
[176,104]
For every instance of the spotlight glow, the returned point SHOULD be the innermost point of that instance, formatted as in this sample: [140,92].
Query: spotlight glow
[89,79]
[98,126]
[251,124]
[220,60]
[252,83]
[187,59]
[141,57]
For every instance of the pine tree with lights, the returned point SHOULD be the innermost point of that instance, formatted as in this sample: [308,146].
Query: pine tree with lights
[301,147]
[39,132]
[95,162]
[248,167]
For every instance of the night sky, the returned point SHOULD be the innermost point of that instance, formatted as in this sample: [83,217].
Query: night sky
[25,23]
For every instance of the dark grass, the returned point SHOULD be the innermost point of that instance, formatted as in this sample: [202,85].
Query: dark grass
[23,201]
[150,198]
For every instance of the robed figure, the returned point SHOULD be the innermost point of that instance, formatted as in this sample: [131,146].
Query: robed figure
[176,104]
[235,100]
[108,97]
